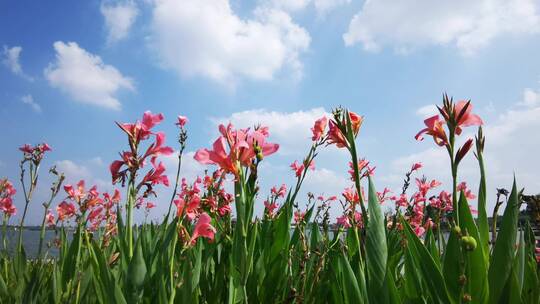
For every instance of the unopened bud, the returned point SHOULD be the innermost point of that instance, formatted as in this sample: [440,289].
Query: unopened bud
[467,297]
[457,230]
[469,243]
[462,280]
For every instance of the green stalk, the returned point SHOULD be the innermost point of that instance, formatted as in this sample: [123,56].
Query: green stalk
[171,268]
[27,197]
[176,183]
[454,168]
[129,216]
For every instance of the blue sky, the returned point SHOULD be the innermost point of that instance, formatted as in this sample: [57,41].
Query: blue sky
[70,69]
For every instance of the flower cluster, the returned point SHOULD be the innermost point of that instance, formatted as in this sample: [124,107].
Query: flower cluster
[270,204]
[35,154]
[7,191]
[236,148]
[87,207]
[132,160]
[455,117]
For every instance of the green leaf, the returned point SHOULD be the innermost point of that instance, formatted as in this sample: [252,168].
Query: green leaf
[376,249]
[476,264]
[350,284]
[502,258]
[451,265]
[483,226]
[431,274]
[136,273]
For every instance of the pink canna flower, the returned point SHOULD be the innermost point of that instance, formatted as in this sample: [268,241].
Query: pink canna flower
[270,207]
[26,148]
[434,128]
[182,121]
[156,175]
[343,221]
[299,168]
[416,166]
[50,219]
[319,128]
[279,192]
[468,193]
[235,148]
[7,191]
[467,118]
[203,228]
[335,136]
[157,148]
[149,206]
[8,208]
[299,216]
[95,215]
[351,195]
[65,210]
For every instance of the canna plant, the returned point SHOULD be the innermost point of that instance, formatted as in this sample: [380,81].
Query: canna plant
[212,247]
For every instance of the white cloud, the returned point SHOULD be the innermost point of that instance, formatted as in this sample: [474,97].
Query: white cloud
[427,110]
[119,18]
[29,100]
[11,58]
[324,6]
[206,38]
[531,98]
[321,6]
[85,77]
[467,25]
[75,172]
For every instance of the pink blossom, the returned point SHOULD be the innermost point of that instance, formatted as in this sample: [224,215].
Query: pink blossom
[65,210]
[416,166]
[270,207]
[279,192]
[50,219]
[318,128]
[335,136]
[343,221]
[468,118]
[351,195]
[156,175]
[203,228]
[299,216]
[182,120]
[434,128]
[236,147]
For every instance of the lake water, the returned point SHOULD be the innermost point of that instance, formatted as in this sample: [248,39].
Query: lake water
[31,242]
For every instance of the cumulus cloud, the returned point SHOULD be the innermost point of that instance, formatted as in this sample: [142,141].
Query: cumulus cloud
[11,58]
[206,38]
[321,6]
[84,76]
[76,171]
[119,17]
[427,110]
[29,100]
[467,25]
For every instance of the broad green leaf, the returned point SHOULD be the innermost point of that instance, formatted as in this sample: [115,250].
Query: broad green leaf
[376,249]
[476,264]
[431,274]
[502,258]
